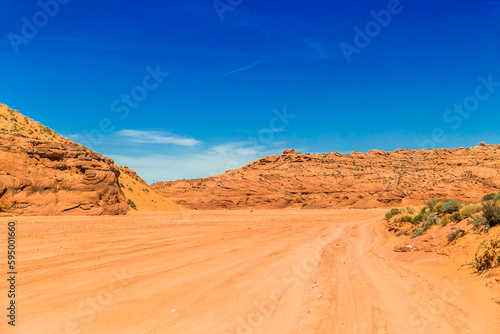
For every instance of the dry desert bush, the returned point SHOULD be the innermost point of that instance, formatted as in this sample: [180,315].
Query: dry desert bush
[487,255]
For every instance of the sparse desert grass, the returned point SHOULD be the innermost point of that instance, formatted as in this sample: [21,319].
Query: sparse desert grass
[12,121]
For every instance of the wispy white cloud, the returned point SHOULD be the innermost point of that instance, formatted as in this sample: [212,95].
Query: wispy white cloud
[273,130]
[201,163]
[133,136]
[247,67]
[257,62]
[76,137]
[237,148]
[156,137]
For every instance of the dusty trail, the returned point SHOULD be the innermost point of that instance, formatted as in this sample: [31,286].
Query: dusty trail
[362,290]
[288,271]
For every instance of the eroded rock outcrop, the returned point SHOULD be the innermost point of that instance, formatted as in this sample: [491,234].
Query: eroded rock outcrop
[358,180]
[42,173]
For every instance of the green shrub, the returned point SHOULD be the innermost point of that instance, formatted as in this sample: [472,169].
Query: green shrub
[392,213]
[454,235]
[1,207]
[420,218]
[437,208]
[449,206]
[479,223]
[431,204]
[456,217]
[407,218]
[395,212]
[491,213]
[445,221]
[305,204]
[431,220]
[418,232]
[471,209]
[132,204]
[489,197]
[410,210]
[402,232]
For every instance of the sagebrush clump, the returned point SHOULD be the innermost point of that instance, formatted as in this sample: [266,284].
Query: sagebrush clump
[448,206]
[455,234]
[491,212]
[431,204]
[392,213]
[479,223]
[471,209]
[491,197]
[132,204]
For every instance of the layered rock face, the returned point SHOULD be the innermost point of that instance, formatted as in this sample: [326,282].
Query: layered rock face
[333,180]
[42,173]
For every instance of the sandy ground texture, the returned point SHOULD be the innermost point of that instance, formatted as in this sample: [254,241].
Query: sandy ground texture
[235,272]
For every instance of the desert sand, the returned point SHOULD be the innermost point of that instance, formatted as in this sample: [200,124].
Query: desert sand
[280,271]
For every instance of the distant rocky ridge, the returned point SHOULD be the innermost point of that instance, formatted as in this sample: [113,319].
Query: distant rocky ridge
[358,180]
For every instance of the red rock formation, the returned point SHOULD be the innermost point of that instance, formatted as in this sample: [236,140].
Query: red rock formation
[359,180]
[42,173]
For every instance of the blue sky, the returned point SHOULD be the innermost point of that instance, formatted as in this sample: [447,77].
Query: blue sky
[172,91]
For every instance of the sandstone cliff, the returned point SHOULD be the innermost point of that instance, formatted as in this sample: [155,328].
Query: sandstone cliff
[42,173]
[360,180]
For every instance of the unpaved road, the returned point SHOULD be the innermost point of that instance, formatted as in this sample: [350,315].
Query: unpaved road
[235,272]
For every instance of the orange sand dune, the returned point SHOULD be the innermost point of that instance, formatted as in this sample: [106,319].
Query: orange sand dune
[142,195]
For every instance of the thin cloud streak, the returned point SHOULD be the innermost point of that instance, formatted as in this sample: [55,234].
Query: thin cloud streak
[156,137]
[255,63]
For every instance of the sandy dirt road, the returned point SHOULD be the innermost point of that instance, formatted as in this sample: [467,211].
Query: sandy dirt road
[235,272]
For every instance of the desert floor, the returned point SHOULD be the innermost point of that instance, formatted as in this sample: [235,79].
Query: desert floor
[282,271]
